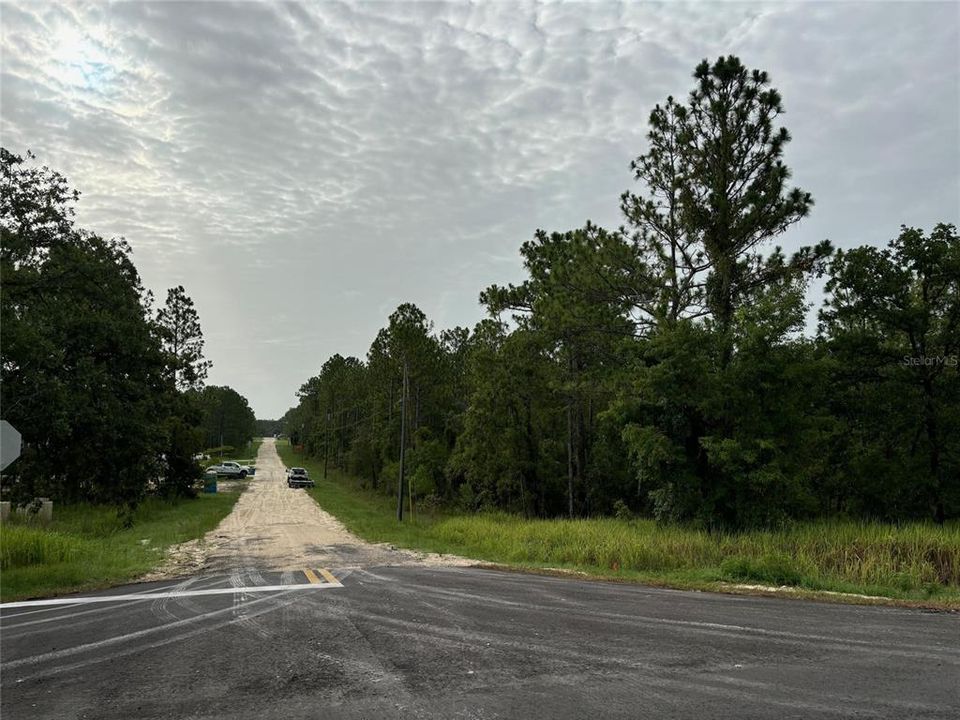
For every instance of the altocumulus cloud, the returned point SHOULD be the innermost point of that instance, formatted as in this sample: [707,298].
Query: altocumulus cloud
[302,169]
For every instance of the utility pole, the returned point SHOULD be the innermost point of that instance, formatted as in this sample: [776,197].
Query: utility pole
[403,441]
[340,439]
[570,459]
[570,446]
[326,444]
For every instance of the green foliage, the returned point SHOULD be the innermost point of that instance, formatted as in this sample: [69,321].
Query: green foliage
[892,328]
[912,560]
[770,570]
[661,369]
[621,511]
[182,338]
[225,417]
[501,453]
[269,428]
[82,365]
[91,378]
[714,394]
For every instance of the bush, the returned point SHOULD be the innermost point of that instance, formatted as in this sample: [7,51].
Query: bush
[621,511]
[770,569]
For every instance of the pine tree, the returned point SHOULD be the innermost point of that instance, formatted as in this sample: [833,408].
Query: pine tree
[182,339]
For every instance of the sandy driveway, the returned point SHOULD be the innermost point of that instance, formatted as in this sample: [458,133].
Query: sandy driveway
[273,527]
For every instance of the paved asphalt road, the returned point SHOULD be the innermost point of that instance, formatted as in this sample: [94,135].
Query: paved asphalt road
[467,643]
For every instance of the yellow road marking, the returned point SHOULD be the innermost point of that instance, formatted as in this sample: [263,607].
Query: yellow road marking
[328,576]
[311,576]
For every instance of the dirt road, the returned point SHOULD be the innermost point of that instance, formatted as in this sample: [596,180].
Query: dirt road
[273,527]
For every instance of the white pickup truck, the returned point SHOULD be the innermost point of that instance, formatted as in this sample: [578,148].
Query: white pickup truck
[230,469]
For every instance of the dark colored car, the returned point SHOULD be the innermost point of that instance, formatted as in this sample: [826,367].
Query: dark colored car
[298,477]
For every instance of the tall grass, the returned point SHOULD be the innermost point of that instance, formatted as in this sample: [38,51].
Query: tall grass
[815,555]
[21,545]
[908,561]
[88,546]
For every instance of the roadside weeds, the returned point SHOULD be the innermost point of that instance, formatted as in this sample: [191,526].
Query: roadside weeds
[891,560]
[87,548]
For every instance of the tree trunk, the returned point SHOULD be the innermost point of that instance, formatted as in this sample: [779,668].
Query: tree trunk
[533,462]
[933,437]
[416,412]
[403,442]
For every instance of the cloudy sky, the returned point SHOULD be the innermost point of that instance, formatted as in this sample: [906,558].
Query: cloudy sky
[303,169]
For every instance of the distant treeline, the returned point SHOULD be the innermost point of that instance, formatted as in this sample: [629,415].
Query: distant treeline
[662,368]
[269,428]
[227,418]
[106,390]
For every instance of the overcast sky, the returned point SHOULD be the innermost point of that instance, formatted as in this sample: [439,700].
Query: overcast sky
[303,169]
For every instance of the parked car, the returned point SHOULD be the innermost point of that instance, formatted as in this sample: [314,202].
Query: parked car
[229,469]
[298,477]
[251,469]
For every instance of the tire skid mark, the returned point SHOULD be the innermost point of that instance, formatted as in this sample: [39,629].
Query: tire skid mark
[384,671]
[136,635]
[189,604]
[254,577]
[786,636]
[716,630]
[90,615]
[238,579]
[159,606]
[158,643]
[582,658]
[286,578]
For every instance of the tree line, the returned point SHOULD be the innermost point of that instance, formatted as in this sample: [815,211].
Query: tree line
[106,390]
[663,368]
[269,428]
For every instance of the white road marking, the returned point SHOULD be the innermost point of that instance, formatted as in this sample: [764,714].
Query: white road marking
[137,634]
[141,648]
[6,627]
[173,594]
[46,610]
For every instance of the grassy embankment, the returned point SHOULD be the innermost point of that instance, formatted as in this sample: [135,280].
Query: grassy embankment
[911,562]
[86,547]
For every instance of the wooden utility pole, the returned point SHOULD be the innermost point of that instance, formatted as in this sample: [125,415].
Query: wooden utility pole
[403,440]
[570,458]
[326,444]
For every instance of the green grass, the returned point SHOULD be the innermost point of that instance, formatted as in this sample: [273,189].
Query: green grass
[909,562]
[252,448]
[86,546]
